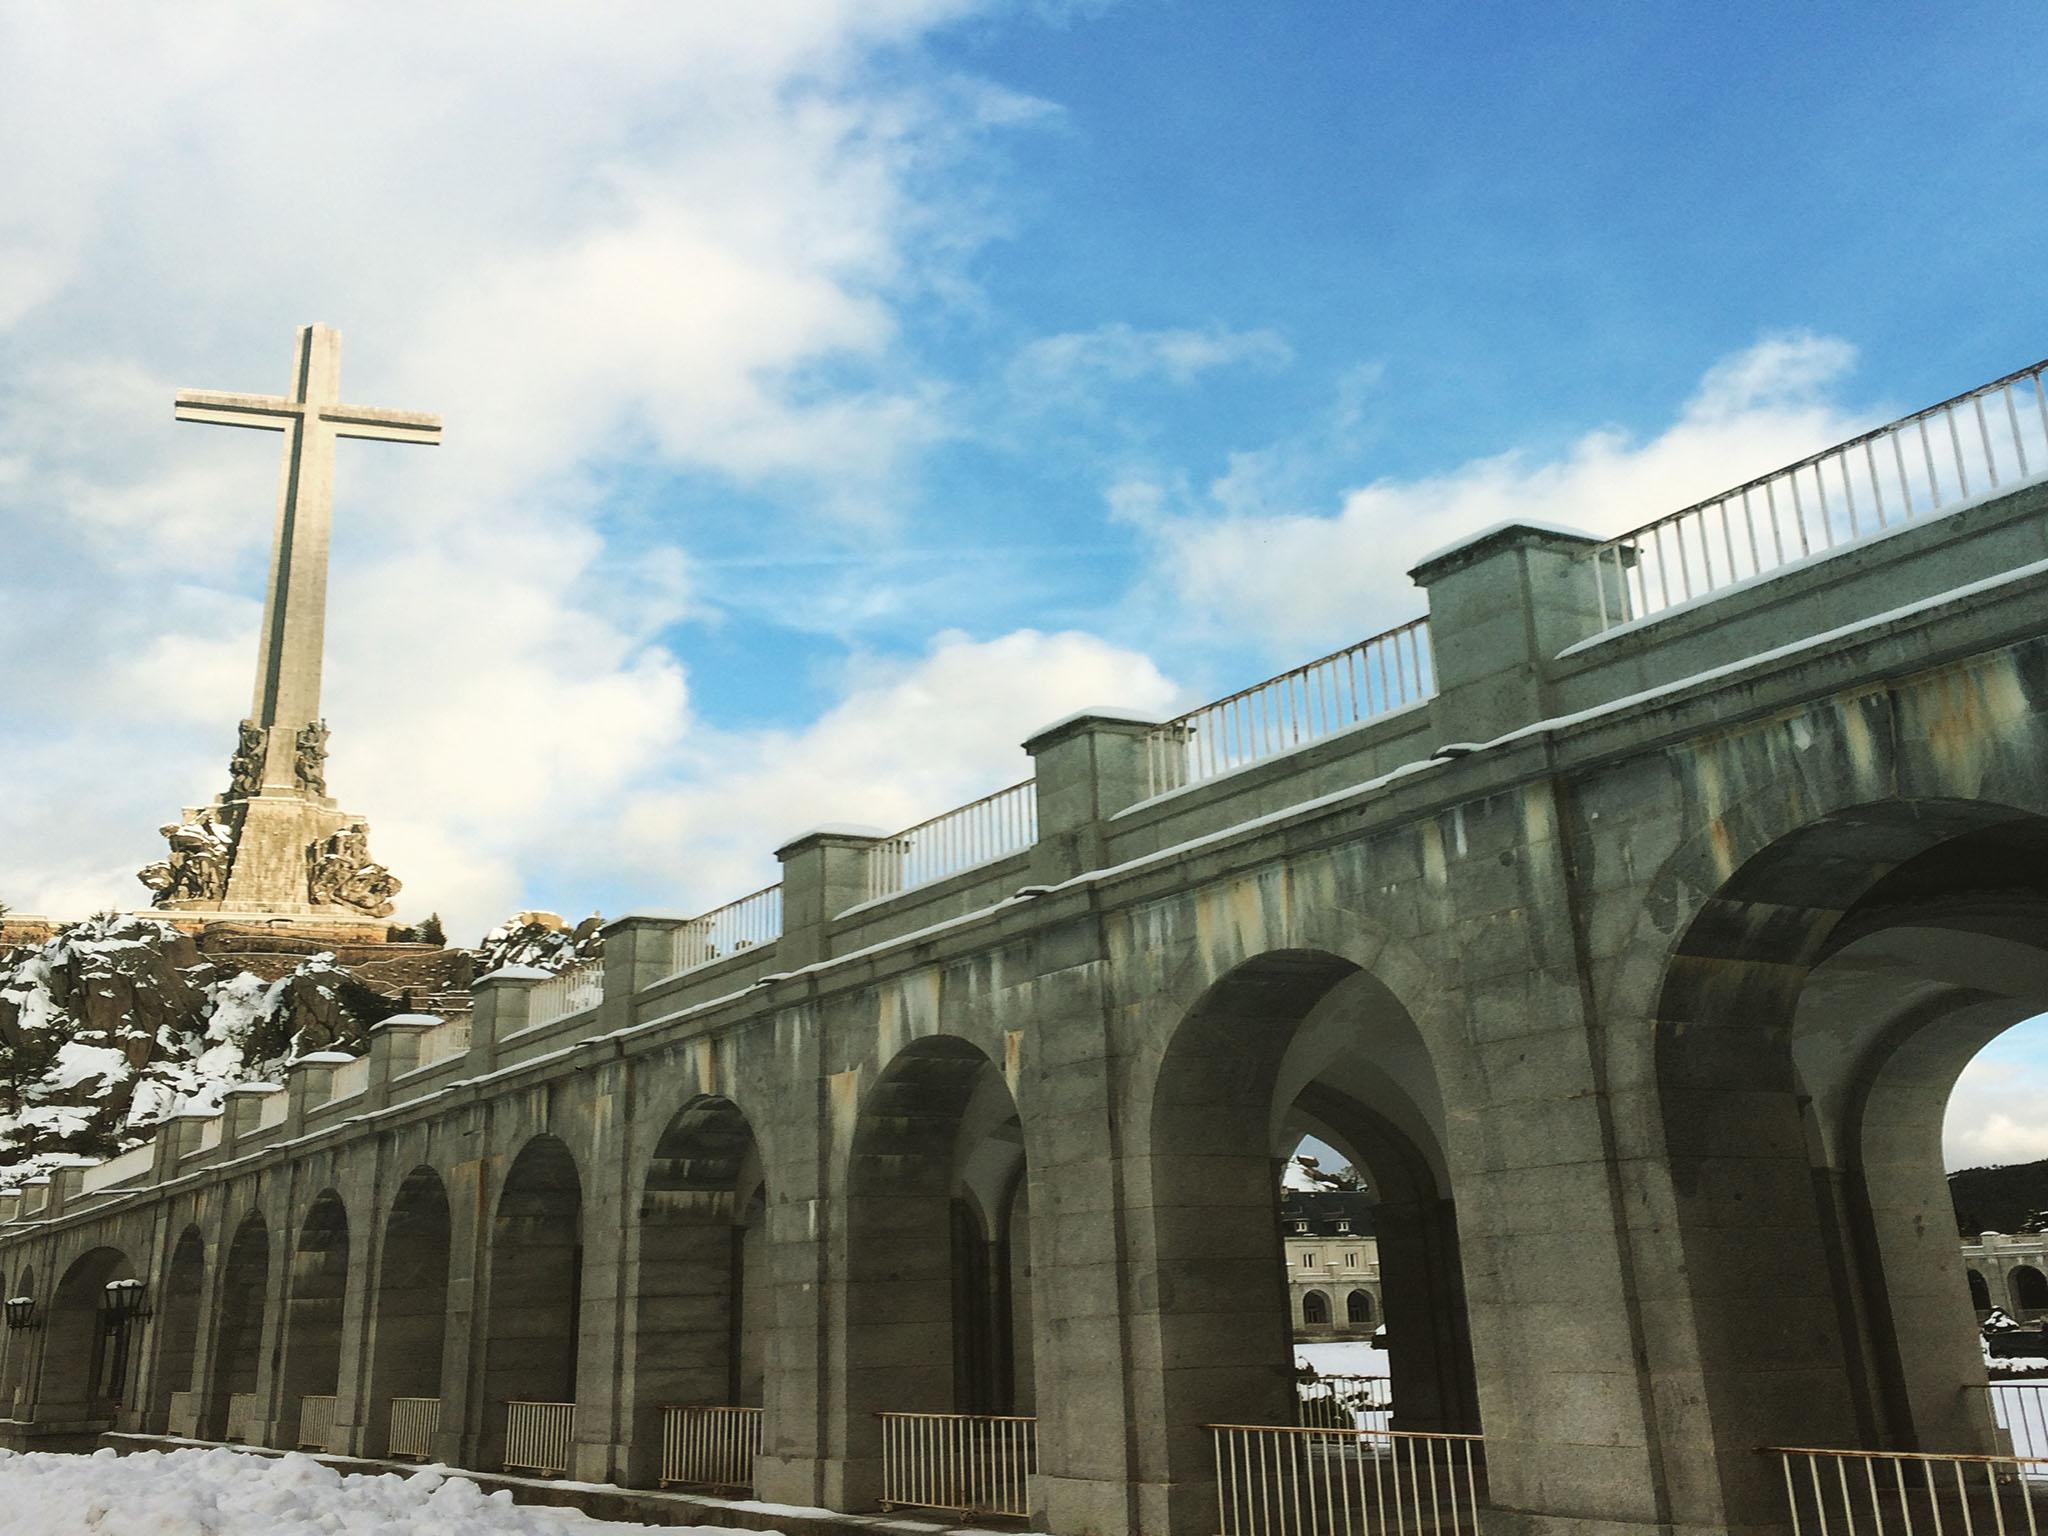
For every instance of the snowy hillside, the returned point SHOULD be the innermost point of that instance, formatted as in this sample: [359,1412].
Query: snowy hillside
[541,940]
[120,1021]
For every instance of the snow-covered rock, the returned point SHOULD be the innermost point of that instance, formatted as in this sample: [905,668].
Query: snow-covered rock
[115,1023]
[540,940]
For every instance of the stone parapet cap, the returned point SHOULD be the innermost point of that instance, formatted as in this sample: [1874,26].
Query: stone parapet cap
[324,1059]
[401,1022]
[633,920]
[1110,719]
[512,976]
[1501,536]
[252,1090]
[832,836]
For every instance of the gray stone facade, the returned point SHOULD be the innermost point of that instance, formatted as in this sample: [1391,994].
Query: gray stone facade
[1633,968]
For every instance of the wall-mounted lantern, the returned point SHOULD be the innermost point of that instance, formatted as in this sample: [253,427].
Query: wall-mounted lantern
[127,1301]
[21,1312]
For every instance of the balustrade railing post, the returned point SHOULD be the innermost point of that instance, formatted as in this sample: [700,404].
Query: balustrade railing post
[1501,607]
[639,950]
[395,1051]
[1085,770]
[501,1006]
[823,873]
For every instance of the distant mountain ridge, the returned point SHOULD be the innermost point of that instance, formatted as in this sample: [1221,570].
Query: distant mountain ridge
[1999,1198]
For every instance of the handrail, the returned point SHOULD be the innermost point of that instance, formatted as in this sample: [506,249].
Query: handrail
[570,992]
[752,920]
[1732,536]
[1351,685]
[966,837]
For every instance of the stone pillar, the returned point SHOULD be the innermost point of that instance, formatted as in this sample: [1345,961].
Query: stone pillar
[241,1107]
[1086,768]
[1501,607]
[502,1001]
[365,1194]
[394,1051]
[306,1081]
[639,950]
[795,1465]
[823,873]
[604,1428]
[471,1192]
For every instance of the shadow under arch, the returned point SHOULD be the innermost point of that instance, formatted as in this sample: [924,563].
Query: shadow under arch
[316,1295]
[410,1323]
[177,1348]
[1287,1041]
[937,1192]
[238,1328]
[701,1295]
[15,1348]
[532,1337]
[85,1375]
[1814,1015]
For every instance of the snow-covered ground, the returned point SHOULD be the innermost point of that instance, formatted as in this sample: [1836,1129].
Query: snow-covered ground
[235,1493]
[1343,1357]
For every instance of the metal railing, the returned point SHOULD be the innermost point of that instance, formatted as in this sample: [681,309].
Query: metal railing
[2020,1409]
[243,1421]
[414,1423]
[1991,438]
[754,919]
[1346,1402]
[1872,1493]
[316,1423]
[1332,693]
[183,1420]
[977,833]
[578,988]
[1274,1481]
[710,1447]
[969,1463]
[538,1436]
[448,1038]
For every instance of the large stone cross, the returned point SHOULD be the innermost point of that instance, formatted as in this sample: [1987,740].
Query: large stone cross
[295,604]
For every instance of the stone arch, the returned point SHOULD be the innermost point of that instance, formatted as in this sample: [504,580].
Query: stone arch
[238,1324]
[935,1184]
[1359,1310]
[16,1380]
[1289,1042]
[86,1375]
[317,1292]
[700,1285]
[531,1339]
[411,1319]
[1815,1010]
[2028,1288]
[1315,1309]
[177,1340]
[1980,1291]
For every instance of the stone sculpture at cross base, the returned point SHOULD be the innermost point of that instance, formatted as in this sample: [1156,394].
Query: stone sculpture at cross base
[274,846]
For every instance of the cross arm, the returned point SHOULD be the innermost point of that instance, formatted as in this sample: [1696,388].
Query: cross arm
[268,413]
[368,421]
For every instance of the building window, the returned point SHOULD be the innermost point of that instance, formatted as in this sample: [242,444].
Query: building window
[1315,1310]
[1351,1261]
[1308,1261]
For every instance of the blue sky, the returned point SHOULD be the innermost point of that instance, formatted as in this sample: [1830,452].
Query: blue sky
[836,392]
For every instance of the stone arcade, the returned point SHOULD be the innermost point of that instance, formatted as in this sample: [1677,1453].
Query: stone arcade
[1626,921]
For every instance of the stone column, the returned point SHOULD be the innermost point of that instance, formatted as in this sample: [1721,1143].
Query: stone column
[603,1420]
[241,1107]
[394,1051]
[471,1191]
[502,1001]
[306,1081]
[639,950]
[1085,769]
[1501,606]
[798,1463]
[823,873]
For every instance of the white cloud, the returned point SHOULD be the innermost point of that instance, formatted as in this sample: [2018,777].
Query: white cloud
[1994,1113]
[906,741]
[673,239]
[1230,558]
[1074,365]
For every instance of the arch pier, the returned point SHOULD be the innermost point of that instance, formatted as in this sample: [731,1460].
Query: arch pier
[1630,956]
